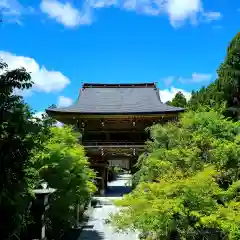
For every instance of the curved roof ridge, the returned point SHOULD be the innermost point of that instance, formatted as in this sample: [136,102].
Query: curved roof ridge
[119,85]
[117,100]
[157,91]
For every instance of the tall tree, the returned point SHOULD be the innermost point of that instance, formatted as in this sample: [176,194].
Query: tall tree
[179,100]
[63,164]
[226,88]
[188,183]
[229,77]
[20,133]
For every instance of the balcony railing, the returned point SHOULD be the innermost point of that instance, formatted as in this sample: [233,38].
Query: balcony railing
[112,144]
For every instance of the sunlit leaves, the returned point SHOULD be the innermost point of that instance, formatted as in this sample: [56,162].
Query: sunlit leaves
[179,100]
[188,183]
[64,165]
[18,138]
[226,88]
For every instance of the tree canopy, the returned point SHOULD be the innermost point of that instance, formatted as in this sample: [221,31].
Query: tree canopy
[179,100]
[62,163]
[188,182]
[20,133]
[32,150]
[187,186]
[226,88]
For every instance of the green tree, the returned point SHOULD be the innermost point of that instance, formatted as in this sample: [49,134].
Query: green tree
[229,77]
[226,88]
[32,150]
[64,166]
[179,100]
[187,185]
[20,133]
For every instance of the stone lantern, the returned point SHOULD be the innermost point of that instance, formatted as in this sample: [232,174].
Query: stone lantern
[39,207]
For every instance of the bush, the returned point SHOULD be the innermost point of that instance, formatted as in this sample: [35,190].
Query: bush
[20,134]
[32,150]
[63,165]
[187,185]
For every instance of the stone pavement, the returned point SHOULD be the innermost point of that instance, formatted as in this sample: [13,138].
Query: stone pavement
[97,228]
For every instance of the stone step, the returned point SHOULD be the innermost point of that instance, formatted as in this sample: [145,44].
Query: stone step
[106,200]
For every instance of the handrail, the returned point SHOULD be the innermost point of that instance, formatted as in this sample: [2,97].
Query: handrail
[92,143]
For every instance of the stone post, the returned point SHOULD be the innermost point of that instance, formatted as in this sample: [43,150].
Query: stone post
[39,207]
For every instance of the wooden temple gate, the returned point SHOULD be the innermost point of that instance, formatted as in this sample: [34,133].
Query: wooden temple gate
[110,141]
[112,120]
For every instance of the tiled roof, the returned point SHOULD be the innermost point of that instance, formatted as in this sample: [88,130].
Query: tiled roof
[118,99]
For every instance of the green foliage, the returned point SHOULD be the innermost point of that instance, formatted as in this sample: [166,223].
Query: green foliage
[20,133]
[18,137]
[63,164]
[31,150]
[188,184]
[179,100]
[226,88]
[117,170]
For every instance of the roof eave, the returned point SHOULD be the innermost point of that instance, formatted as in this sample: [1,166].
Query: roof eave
[51,111]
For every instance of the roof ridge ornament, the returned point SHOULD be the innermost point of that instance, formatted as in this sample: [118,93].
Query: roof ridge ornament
[119,85]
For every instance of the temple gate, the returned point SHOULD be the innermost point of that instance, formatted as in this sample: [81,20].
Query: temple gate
[112,119]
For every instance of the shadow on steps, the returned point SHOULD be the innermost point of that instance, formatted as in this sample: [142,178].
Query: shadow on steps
[83,234]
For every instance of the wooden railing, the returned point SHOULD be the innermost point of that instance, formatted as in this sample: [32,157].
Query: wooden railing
[125,143]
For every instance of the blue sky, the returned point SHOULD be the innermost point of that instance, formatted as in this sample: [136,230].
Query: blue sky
[177,43]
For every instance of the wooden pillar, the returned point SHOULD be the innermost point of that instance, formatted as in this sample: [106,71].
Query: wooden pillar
[106,177]
[130,164]
[82,130]
[108,137]
[102,185]
[133,162]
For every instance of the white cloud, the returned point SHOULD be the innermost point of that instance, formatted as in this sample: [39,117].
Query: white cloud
[40,115]
[64,101]
[12,11]
[168,81]
[65,13]
[10,7]
[211,16]
[103,3]
[178,11]
[44,80]
[196,78]
[181,10]
[168,94]
[23,93]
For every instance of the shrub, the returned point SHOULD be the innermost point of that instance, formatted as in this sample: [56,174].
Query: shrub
[188,183]
[63,165]
[20,134]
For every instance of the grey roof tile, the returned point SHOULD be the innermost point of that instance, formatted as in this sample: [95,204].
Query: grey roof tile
[118,100]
